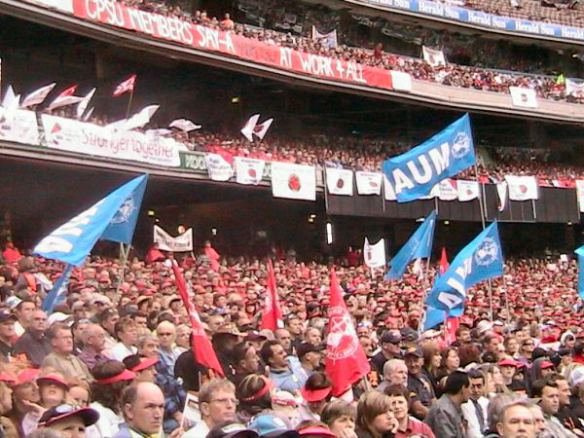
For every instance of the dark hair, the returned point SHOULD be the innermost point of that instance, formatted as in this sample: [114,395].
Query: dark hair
[397,391]
[579,348]
[550,380]
[123,324]
[108,395]
[247,391]
[266,352]
[476,374]
[335,409]
[239,352]
[455,382]
[106,314]
[461,329]
[318,381]
[469,353]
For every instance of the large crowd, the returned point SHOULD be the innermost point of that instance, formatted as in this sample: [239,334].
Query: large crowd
[114,358]
[450,74]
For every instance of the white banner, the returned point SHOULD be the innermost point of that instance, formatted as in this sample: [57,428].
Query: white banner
[522,188]
[401,81]
[574,88]
[293,181]
[218,168]
[368,183]
[502,192]
[467,190]
[339,181]
[181,243]
[374,255]
[580,193]
[89,139]
[19,126]
[448,190]
[388,191]
[61,5]
[248,170]
[523,97]
[328,40]
[433,57]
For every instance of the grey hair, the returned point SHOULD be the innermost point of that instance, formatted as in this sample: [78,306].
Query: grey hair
[497,406]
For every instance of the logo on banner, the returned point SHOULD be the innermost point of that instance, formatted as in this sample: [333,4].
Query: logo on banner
[341,340]
[294,183]
[125,211]
[487,253]
[340,183]
[461,145]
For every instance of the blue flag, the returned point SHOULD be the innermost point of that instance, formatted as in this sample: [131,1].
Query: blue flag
[59,292]
[580,253]
[419,246]
[112,218]
[414,174]
[480,260]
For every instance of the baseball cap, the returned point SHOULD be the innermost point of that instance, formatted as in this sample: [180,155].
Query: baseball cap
[507,363]
[390,337]
[136,364]
[7,315]
[321,431]
[306,348]
[415,351]
[88,416]
[315,395]
[232,430]
[546,364]
[27,375]
[271,426]
[53,378]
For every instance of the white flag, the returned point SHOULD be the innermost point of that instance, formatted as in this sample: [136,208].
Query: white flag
[184,125]
[261,129]
[388,191]
[218,167]
[249,126]
[448,190]
[10,98]
[38,96]
[248,170]
[293,181]
[433,57]
[328,40]
[141,118]
[83,104]
[522,188]
[574,88]
[88,114]
[523,97]
[502,192]
[401,81]
[374,255]
[467,190]
[339,181]
[580,193]
[368,183]
[181,243]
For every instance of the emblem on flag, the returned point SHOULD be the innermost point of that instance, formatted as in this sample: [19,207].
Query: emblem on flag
[124,87]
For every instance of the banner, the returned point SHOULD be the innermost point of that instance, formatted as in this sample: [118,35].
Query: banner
[89,139]
[112,218]
[388,192]
[339,181]
[293,181]
[199,37]
[522,188]
[272,313]
[61,5]
[502,195]
[19,126]
[419,246]
[374,255]
[433,57]
[248,171]
[368,183]
[218,167]
[181,243]
[580,194]
[523,97]
[467,190]
[414,174]
[574,88]
[328,40]
[480,260]
[401,81]
[58,294]
[580,253]
[448,190]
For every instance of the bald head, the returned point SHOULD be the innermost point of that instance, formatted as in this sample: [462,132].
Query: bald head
[143,407]
[94,337]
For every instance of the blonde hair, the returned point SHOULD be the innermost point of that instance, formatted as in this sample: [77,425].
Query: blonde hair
[371,404]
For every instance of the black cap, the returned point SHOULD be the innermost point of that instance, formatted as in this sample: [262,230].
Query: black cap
[415,351]
[231,430]
[391,337]
[306,348]
[50,416]
[6,315]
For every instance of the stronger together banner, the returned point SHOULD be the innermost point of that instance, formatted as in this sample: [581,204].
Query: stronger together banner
[200,37]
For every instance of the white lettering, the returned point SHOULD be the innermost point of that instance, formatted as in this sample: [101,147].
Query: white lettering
[449,300]
[401,181]
[427,170]
[440,157]
[285,57]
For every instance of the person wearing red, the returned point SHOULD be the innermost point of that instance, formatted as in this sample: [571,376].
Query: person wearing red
[11,254]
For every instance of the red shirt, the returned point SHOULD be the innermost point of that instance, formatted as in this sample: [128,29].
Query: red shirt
[415,427]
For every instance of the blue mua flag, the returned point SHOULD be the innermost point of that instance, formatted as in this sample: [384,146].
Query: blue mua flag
[480,260]
[580,253]
[419,246]
[112,218]
[59,292]
[414,174]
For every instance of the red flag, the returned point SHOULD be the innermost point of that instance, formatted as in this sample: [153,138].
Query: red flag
[124,87]
[213,257]
[272,314]
[202,348]
[345,362]
[68,92]
[443,262]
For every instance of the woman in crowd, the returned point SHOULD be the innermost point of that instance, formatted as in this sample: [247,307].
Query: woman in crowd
[432,359]
[375,417]
[7,429]
[340,417]
[254,395]
[494,383]
[315,393]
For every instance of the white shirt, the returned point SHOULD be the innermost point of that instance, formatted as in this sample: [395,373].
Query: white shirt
[120,351]
[470,415]
[107,425]
[199,431]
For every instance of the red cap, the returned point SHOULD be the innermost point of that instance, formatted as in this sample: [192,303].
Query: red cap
[53,378]
[508,363]
[546,364]
[315,395]
[145,363]
[26,376]
[7,378]
[317,431]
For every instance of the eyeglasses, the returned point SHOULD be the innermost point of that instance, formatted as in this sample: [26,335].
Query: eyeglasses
[164,334]
[225,401]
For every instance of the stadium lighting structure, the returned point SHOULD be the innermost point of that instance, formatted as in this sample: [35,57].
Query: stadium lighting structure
[151,213]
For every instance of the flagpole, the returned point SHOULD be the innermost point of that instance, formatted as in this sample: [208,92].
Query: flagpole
[326,206]
[426,284]
[124,254]
[130,103]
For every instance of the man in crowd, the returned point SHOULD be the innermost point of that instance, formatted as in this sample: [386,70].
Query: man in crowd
[546,390]
[127,334]
[23,312]
[475,409]
[68,421]
[517,421]
[143,410]
[445,416]
[62,358]
[93,352]
[418,383]
[281,374]
[309,356]
[395,372]
[7,320]
[33,344]
[217,405]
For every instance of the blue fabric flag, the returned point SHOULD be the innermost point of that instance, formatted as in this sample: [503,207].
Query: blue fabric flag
[414,174]
[73,241]
[59,292]
[580,253]
[419,246]
[480,260]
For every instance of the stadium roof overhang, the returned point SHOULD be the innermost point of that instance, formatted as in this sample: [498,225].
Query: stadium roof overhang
[440,98]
